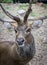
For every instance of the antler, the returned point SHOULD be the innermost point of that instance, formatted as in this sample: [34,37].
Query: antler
[11,16]
[19,21]
[28,11]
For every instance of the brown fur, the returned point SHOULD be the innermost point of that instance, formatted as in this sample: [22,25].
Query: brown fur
[9,54]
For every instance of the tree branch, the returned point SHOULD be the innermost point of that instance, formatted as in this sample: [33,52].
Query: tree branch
[11,16]
[28,12]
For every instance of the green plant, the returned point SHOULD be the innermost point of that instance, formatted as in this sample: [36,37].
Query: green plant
[5,1]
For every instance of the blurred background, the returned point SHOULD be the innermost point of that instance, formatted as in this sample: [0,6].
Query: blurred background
[21,1]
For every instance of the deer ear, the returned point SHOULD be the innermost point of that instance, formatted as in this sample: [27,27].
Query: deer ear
[30,23]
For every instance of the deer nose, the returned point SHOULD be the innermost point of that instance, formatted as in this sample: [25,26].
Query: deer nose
[20,41]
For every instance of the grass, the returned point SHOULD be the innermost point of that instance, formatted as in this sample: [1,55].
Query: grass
[23,6]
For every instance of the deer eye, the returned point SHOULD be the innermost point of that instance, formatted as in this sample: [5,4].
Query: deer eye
[28,30]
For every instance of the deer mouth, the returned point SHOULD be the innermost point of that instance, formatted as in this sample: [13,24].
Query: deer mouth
[21,45]
[26,51]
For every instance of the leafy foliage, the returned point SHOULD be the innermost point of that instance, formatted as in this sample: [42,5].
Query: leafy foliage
[5,1]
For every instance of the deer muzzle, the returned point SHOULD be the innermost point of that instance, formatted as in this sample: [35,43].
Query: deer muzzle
[20,41]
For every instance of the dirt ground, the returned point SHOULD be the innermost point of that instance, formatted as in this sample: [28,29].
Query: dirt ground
[40,34]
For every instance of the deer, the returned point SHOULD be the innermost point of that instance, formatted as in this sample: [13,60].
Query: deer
[23,49]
